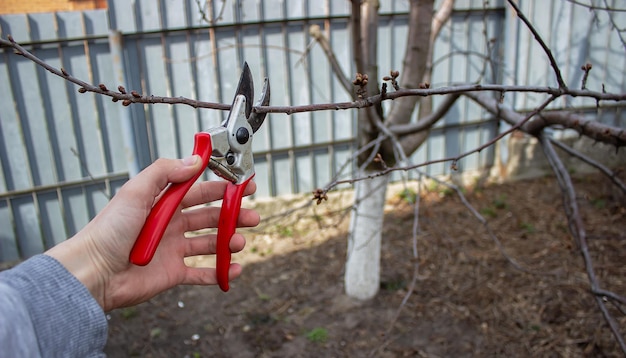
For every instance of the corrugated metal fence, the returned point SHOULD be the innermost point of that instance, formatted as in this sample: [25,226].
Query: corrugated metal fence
[64,154]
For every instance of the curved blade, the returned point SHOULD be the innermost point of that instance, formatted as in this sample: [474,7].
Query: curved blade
[256,119]
[245,88]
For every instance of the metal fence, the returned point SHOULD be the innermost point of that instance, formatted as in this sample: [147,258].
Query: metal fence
[64,154]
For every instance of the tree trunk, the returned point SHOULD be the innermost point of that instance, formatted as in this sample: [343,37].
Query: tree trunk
[362,277]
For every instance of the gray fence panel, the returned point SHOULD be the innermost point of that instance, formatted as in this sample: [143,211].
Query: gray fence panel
[60,151]
[58,114]
[52,218]
[62,154]
[162,64]
[13,153]
[28,226]
[8,243]
[590,37]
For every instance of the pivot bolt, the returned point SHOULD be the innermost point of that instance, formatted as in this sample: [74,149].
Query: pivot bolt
[242,135]
[230,158]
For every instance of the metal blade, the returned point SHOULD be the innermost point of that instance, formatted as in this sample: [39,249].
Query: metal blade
[256,119]
[245,88]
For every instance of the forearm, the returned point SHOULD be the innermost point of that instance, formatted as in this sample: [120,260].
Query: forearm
[64,317]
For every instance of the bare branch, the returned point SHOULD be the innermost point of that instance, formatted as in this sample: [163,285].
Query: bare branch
[590,128]
[593,129]
[357,37]
[415,58]
[602,168]
[203,13]
[421,129]
[595,7]
[316,32]
[133,97]
[578,232]
[586,68]
[616,28]
[454,160]
[426,122]
[442,16]
[369,43]
[546,49]
[423,92]
[126,98]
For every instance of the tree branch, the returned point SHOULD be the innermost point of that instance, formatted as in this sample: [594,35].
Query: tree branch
[598,131]
[415,58]
[366,102]
[426,122]
[442,16]
[578,232]
[413,135]
[602,168]
[357,38]
[590,128]
[546,49]
[595,7]
[316,32]
[454,160]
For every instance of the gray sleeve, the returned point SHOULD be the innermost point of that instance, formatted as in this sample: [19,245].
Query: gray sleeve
[47,312]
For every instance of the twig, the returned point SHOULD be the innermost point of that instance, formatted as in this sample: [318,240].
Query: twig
[316,32]
[424,92]
[120,95]
[86,169]
[586,68]
[543,45]
[427,121]
[616,28]
[399,151]
[203,14]
[609,294]
[595,7]
[485,224]
[601,167]
[134,97]
[416,266]
[578,232]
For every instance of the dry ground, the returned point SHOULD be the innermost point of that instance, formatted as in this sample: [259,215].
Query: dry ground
[469,300]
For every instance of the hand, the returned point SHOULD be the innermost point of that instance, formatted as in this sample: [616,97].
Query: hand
[98,254]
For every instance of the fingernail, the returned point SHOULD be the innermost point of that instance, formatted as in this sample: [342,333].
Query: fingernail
[191,160]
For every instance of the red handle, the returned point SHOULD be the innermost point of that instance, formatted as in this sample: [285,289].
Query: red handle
[161,214]
[231,205]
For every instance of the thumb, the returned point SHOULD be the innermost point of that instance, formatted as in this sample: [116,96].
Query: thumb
[150,182]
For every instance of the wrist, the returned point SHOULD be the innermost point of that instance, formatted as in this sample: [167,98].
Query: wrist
[76,256]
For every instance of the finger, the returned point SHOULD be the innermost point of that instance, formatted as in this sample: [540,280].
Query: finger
[208,191]
[206,276]
[150,182]
[206,244]
[208,217]
[204,192]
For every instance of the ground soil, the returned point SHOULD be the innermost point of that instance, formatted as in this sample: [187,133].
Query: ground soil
[468,299]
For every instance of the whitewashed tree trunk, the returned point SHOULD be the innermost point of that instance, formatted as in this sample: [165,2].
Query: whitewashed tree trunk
[362,277]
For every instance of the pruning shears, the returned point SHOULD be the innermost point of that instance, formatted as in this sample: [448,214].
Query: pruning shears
[227,151]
